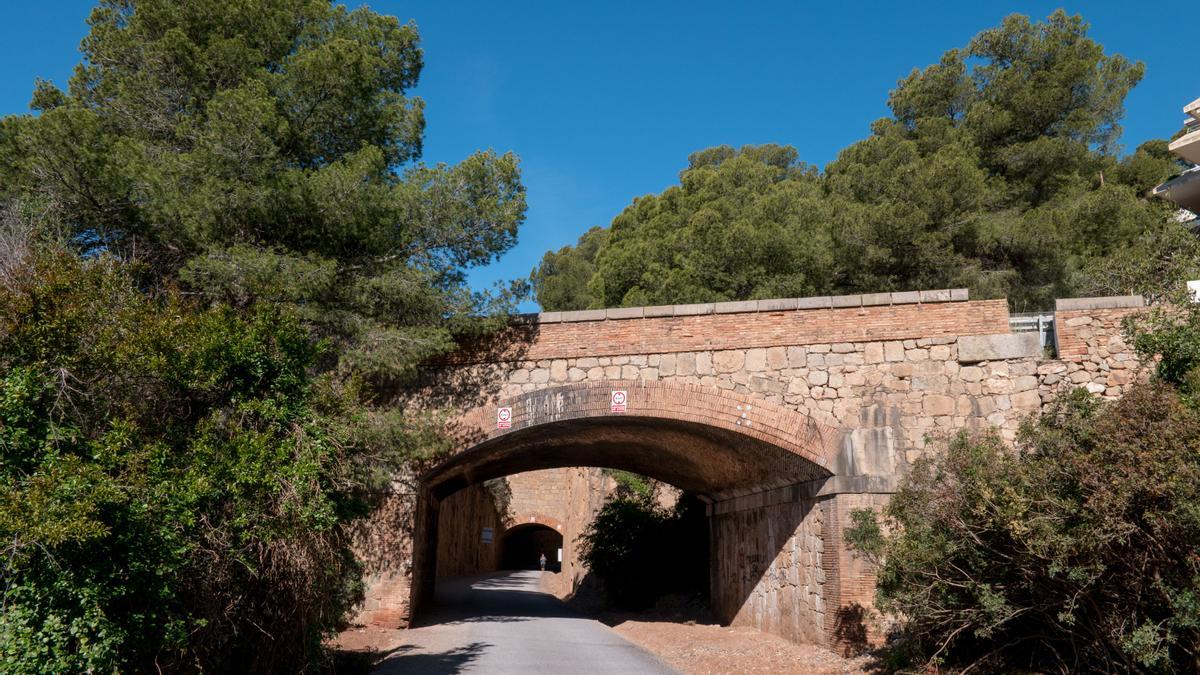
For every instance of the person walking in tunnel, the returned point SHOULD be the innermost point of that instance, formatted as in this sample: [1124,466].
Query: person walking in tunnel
[542,562]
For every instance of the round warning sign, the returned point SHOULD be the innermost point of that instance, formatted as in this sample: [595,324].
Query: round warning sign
[504,418]
[619,399]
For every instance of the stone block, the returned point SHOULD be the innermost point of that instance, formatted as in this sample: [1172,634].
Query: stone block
[778,304]
[846,300]
[685,364]
[935,296]
[729,361]
[694,309]
[873,352]
[777,358]
[975,348]
[549,317]
[959,294]
[893,351]
[1025,383]
[1114,302]
[624,312]
[735,307]
[756,359]
[872,299]
[937,404]
[658,310]
[584,315]
[1026,400]
[906,297]
[818,302]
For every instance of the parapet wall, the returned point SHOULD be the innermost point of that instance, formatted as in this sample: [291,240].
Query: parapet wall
[888,374]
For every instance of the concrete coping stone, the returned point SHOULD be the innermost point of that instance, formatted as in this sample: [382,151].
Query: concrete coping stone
[625,312]
[584,315]
[1112,302]
[745,306]
[998,347]
[779,305]
[847,301]
[875,299]
[736,307]
[819,302]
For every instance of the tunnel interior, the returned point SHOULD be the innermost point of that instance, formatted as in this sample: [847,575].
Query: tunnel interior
[521,548]
[732,553]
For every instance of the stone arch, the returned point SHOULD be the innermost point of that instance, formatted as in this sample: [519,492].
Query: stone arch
[542,422]
[518,537]
[533,518]
[737,452]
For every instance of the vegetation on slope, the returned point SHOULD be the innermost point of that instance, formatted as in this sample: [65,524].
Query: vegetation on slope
[1076,552]
[998,170]
[220,259]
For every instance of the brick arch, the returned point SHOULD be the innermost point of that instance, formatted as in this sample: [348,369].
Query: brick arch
[532,518]
[703,415]
[717,444]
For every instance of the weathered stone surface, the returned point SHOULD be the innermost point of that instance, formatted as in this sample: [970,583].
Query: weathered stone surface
[975,348]
[832,365]
[893,351]
[936,404]
[729,361]
[1115,302]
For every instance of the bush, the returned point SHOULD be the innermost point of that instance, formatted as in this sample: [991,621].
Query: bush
[641,551]
[173,482]
[1076,552]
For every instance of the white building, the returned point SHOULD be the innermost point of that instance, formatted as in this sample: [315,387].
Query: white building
[1184,189]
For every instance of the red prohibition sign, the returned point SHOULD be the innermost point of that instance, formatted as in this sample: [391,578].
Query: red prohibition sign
[619,398]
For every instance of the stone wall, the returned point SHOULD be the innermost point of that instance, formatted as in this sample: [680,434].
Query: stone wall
[766,567]
[462,518]
[919,383]
[384,544]
[1092,351]
[537,493]
[890,374]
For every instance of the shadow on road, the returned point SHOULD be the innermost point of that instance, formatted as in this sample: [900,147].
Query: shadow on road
[402,660]
[504,598]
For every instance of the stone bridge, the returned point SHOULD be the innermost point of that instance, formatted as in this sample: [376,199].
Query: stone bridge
[782,415]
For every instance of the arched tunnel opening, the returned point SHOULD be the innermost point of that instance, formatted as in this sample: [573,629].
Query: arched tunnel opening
[750,533]
[523,548]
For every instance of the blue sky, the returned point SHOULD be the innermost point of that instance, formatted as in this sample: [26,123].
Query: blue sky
[603,101]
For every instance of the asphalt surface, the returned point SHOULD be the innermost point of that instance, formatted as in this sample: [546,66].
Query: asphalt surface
[502,623]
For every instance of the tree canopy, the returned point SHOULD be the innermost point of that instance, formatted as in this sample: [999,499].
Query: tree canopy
[220,258]
[266,151]
[998,170]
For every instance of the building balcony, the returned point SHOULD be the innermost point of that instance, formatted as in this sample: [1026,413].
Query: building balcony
[1188,145]
[1183,189]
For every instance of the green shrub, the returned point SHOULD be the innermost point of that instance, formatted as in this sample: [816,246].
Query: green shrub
[641,551]
[1076,552]
[173,482]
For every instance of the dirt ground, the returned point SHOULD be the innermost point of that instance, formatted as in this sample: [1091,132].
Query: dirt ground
[694,648]
[708,648]
[680,632]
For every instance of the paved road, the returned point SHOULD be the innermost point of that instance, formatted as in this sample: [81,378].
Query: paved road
[503,624]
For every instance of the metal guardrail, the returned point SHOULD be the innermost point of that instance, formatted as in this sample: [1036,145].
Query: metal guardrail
[1043,324]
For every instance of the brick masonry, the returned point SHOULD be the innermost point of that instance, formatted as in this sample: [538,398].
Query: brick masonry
[851,394]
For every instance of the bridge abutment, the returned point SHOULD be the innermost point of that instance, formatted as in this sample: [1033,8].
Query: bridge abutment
[786,415]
